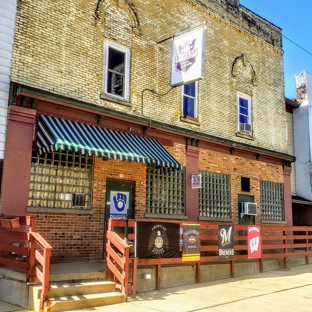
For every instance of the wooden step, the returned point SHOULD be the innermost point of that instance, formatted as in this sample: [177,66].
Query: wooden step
[66,296]
[73,302]
[80,288]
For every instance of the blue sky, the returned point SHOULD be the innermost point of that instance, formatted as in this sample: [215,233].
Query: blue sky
[295,19]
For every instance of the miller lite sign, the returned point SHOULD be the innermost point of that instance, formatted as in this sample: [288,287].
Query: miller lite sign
[187,59]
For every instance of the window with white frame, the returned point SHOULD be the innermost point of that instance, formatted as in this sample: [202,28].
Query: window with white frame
[189,99]
[116,70]
[244,113]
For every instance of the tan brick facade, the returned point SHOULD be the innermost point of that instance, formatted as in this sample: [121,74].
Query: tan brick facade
[58,70]
[65,56]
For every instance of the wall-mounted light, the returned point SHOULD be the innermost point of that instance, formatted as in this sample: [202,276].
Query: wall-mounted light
[147,276]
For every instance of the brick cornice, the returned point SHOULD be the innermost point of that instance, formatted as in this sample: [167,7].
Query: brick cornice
[192,151]
[22,114]
[143,121]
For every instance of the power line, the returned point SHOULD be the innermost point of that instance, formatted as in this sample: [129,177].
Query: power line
[297,45]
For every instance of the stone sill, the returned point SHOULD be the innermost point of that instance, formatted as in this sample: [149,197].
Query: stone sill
[164,216]
[215,219]
[115,100]
[193,121]
[61,210]
[273,222]
[244,135]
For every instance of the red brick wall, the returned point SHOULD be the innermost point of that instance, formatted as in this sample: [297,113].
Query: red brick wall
[237,167]
[78,236]
[119,170]
[191,195]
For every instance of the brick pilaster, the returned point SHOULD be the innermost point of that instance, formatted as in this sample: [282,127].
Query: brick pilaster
[17,161]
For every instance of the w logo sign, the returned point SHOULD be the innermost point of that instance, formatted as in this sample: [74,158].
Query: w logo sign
[254,243]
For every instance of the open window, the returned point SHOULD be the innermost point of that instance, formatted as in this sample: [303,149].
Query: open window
[116,71]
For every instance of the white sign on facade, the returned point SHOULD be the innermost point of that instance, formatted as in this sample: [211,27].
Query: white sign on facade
[119,204]
[196,181]
[187,57]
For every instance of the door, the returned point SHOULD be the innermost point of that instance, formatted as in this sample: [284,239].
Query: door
[246,219]
[119,202]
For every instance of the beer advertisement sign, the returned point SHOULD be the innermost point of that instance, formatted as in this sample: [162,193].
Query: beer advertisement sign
[254,242]
[157,240]
[226,241]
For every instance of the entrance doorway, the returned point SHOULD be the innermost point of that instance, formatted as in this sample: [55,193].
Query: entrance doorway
[119,203]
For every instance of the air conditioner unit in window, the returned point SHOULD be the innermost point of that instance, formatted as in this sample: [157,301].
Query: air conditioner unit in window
[248,208]
[79,199]
[245,127]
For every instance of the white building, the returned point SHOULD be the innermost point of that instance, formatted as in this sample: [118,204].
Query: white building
[302,130]
[7,26]
[303,135]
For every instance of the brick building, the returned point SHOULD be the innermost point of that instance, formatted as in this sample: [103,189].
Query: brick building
[94,126]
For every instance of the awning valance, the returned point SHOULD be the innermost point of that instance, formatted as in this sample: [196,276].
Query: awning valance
[59,134]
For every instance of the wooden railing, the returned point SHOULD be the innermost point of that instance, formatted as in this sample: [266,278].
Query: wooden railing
[23,248]
[39,263]
[277,242]
[118,261]
[14,245]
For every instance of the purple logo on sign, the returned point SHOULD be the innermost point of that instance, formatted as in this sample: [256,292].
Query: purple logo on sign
[186,56]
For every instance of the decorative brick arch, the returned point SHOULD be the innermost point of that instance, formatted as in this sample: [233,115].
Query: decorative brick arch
[243,58]
[103,5]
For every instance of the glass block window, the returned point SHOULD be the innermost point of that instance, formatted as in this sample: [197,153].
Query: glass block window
[272,201]
[165,191]
[214,195]
[60,180]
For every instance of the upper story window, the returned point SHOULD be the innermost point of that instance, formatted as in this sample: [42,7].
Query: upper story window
[189,99]
[244,113]
[116,71]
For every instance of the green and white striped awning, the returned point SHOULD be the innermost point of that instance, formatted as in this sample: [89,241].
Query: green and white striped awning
[59,134]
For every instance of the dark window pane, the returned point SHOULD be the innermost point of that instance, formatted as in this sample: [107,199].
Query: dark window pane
[243,119]
[115,73]
[115,84]
[189,89]
[245,184]
[188,107]
[116,60]
[243,111]
[243,103]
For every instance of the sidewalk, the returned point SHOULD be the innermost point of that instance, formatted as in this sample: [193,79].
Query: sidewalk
[286,290]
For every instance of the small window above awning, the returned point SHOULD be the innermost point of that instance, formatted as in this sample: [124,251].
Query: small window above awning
[59,134]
